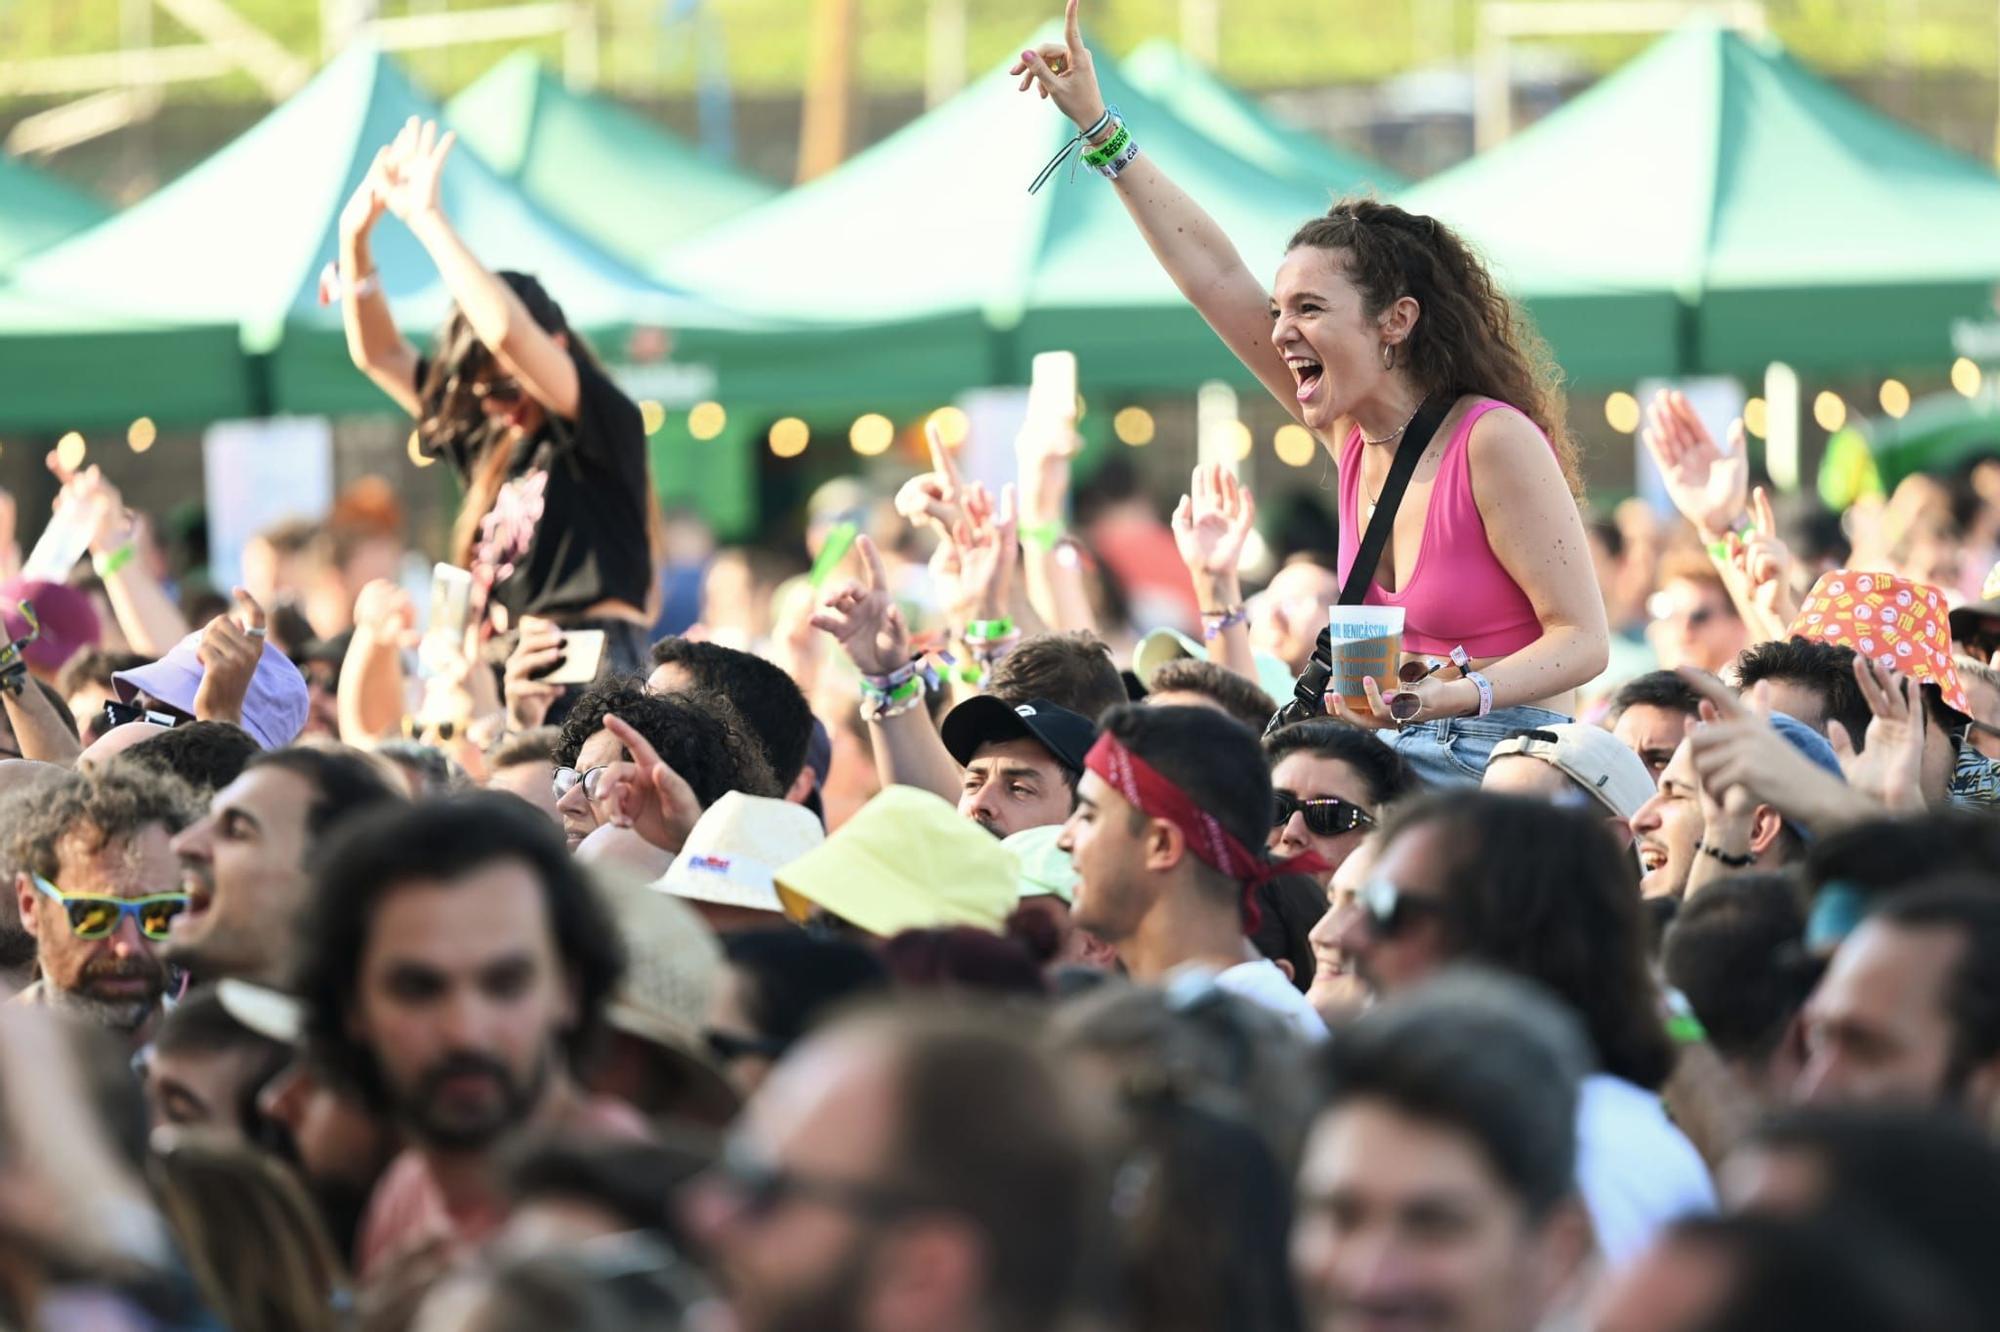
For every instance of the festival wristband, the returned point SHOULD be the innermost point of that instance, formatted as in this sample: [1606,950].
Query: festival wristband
[988,631]
[1042,536]
[108,565]
[1719,548]
[1097,157]
[1485,688]
[1112,169]
[1683,1026]
[1214,624]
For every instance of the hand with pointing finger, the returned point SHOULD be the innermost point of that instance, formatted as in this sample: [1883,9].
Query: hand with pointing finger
[1064,74]
[1765,563]
[1890,768]
[865,620]
[231,646]
[645,794]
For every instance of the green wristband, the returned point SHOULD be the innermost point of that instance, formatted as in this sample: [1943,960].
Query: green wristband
[1097,157]
[109,565]
[987,631]
[1686,1029]
[1042,536]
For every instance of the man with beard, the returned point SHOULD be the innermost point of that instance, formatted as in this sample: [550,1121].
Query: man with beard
[456,963]
[243,864]
[95,886]
[906,1169]
[20,780]
[1439,1183]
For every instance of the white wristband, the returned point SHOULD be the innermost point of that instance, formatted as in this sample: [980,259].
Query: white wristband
[1485,687]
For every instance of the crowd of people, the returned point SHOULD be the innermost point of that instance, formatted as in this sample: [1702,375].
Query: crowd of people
[1013,923]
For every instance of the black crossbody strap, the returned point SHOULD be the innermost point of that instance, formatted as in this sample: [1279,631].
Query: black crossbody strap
[1309,693]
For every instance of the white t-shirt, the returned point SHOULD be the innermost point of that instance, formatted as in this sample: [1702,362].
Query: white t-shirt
[1267,987]
[1637,1171]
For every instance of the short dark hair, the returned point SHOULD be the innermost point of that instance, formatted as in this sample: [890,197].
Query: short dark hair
[373,855]
[1887,855]
[1818,1274]
[1970,909]
[532,746]
[1216,763]
[207,755]
[1931,1177]
[1825,668]
[1238,697]
[1072,670]
[1656,689]
[200,1024]
[1736,951]
[770,701]
[1485,1054]
[1288,906]
[634,1181]
[343,781]
[1389,775]
[963,960]
[989,1127]
[117,801]
[96,666]
[794,979]
[433,767]
[1545,892]
[701,736]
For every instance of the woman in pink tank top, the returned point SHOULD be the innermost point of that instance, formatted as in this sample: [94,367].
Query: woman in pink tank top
[1374,312]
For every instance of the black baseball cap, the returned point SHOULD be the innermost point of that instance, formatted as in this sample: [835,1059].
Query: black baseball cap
[986,720]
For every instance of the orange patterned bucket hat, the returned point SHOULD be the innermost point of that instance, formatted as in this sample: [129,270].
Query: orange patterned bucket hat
[1895,621]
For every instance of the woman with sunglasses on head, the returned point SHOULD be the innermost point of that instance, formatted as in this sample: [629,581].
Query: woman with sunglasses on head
[559,507]
[1386,334]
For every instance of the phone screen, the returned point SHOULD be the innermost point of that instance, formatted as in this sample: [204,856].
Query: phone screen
[451,601]
[1052,386]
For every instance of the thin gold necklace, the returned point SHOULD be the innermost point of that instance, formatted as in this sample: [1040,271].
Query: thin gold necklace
[1376,498]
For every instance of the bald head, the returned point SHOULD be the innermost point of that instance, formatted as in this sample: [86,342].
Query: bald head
[116,741]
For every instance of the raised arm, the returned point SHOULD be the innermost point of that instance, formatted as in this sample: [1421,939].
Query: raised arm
[377,349]
[1189,245]
[525,350]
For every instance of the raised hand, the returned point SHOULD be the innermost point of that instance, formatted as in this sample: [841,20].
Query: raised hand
[1064,73]
[1211,524]
[537,651]
[645,794]
[231,646]
[414,169]
[1890,768]
[988,547]
[1739,757]
[1765,563]
[933,499]
[864,618]
[1709,487]
[364,208]
[1045,451]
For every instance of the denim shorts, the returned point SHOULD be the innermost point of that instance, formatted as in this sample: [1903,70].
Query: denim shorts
[1452,751]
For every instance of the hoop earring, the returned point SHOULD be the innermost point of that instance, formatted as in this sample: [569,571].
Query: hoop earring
[1388,356]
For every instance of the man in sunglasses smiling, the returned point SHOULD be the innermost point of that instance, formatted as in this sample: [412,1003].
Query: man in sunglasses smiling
[98,888]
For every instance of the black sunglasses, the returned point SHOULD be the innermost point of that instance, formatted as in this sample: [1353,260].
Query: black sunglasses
[1390,910]
[762,1189]
[121,714]
[1326,816]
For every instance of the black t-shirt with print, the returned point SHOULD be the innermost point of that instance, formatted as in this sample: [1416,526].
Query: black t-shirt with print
[569,527]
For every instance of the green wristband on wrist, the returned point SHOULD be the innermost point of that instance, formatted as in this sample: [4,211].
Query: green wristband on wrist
[1042,536]
[108,565]
[988,631]
[1098,157]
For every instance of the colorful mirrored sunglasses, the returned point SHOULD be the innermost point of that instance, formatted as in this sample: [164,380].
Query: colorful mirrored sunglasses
[96,917]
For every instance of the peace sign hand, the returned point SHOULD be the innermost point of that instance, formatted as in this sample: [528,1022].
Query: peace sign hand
[865,620]
[1765,561]
[645,794]
[1065,74]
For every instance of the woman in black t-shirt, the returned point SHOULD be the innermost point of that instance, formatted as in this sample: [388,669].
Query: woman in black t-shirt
[558,508]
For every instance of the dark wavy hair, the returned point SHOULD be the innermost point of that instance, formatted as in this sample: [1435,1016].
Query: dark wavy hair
[699,735]
[1389,775]
[373,854]
[1470,337]
[1546,893]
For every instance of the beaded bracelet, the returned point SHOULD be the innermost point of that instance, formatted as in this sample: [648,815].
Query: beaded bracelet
[1732,862]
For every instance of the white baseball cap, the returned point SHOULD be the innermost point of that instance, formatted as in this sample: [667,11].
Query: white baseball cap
[1593,758]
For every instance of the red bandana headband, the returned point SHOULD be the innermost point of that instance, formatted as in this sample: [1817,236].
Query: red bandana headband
[1147,790]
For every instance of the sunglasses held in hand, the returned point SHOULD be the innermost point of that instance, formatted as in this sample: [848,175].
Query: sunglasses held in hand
[94,917]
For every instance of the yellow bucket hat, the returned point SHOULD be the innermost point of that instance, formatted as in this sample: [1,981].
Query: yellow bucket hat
[905,861]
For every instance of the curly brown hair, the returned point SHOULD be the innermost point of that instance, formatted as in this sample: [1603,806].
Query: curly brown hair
[1469,337]
[110,805]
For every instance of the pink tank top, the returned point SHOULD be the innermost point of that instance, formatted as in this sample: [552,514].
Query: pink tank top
[1457,594]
